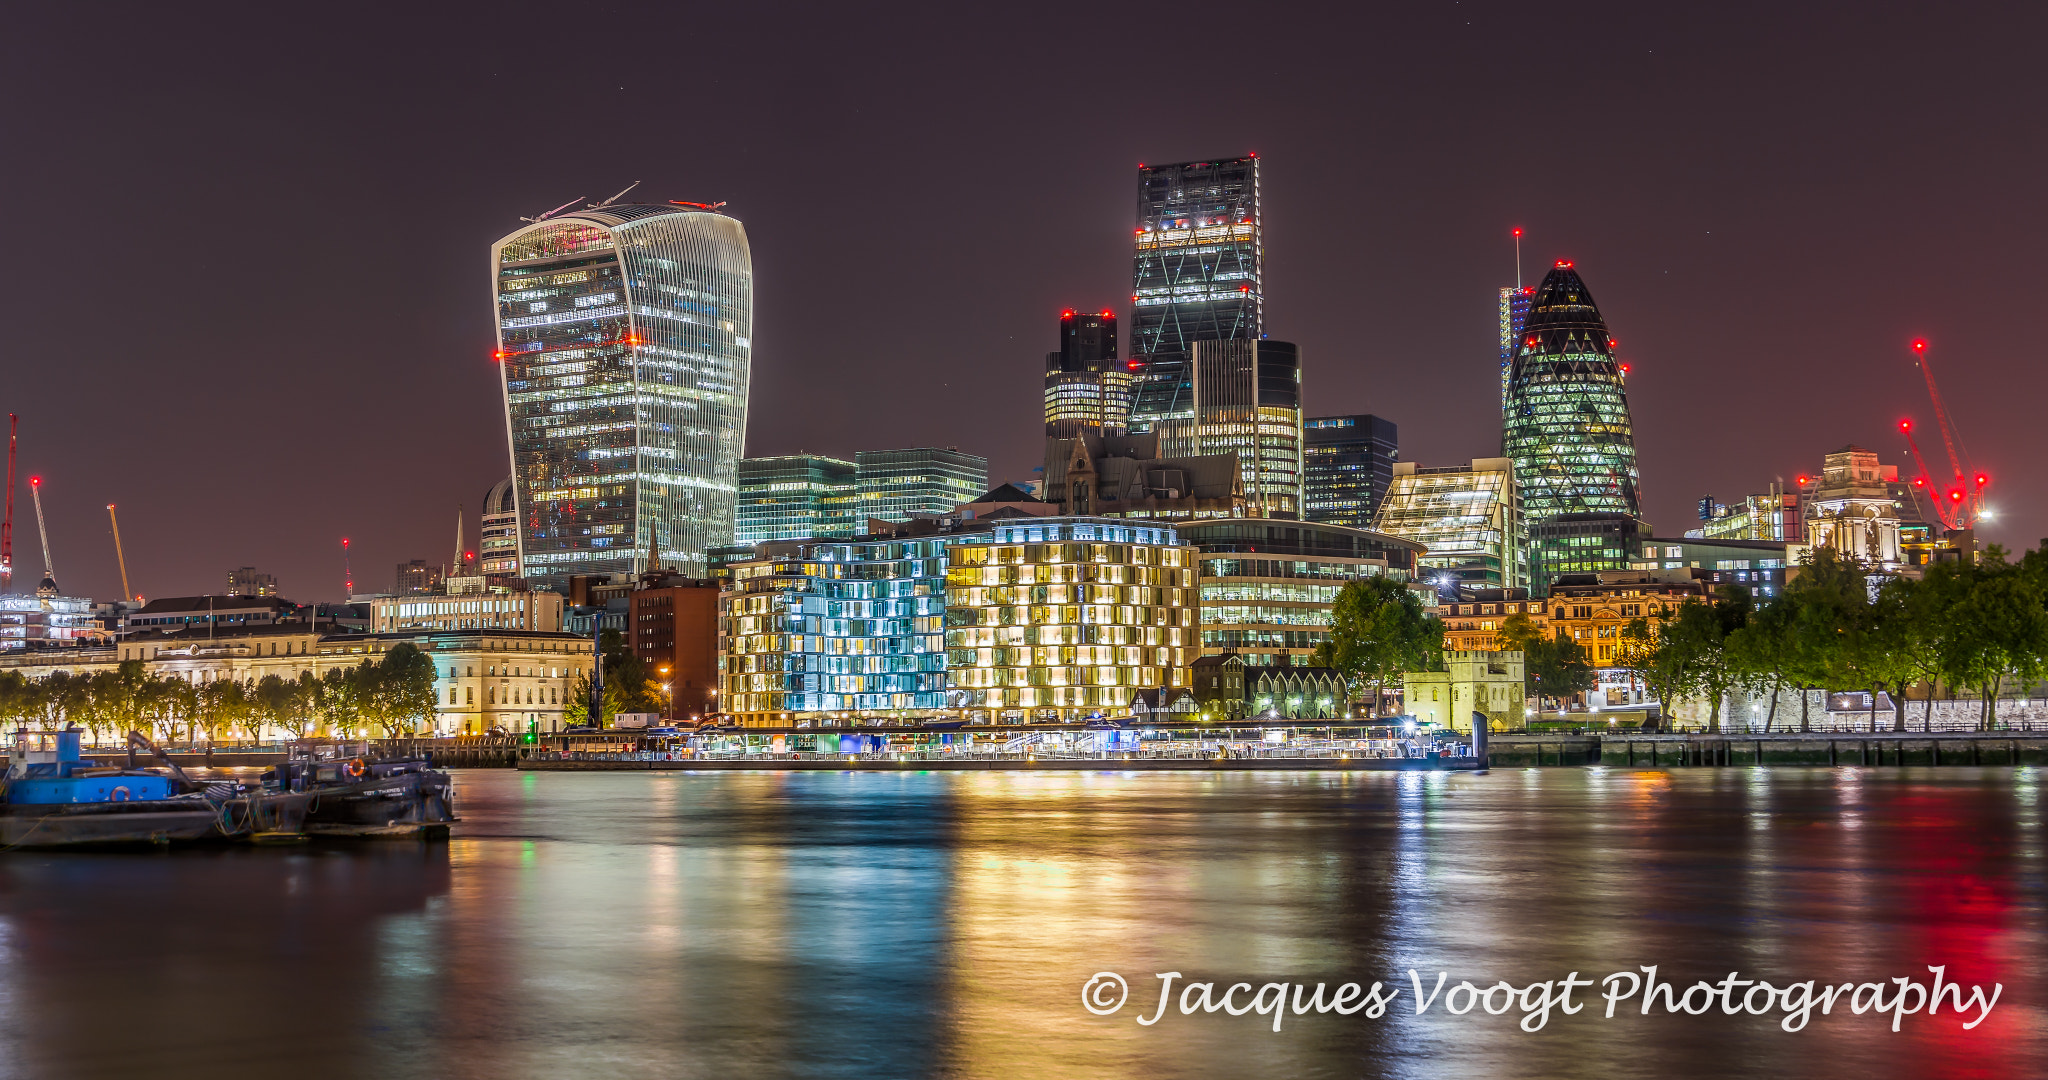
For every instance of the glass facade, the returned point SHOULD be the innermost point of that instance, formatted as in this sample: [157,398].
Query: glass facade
[1248,403]
[624,341]
[1086,386]
[796,497]
[45,618]
[498,547]
[837,628]
[1267,586]
[1469,518]
[1197,275]
[1567,426]
[895,484]
[1347,464]
[1514,311]
[1068,617]
[1581,543]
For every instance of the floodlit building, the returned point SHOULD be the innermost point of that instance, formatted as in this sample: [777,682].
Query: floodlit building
[624,335]
[1514,311]
[1856,506]
[1267,585]
[1066,618]
[842,629]
[1474,618]
[1086,386]
[1774,515]
[1567,424]
[1757,565]
[796,497]
[1488,683]
[1197,275]
[896,485]
[525,610]
[1469,518]
[1347,466]
[47,619]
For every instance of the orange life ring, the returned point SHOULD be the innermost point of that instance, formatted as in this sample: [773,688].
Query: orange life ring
[355,767]
[119,794]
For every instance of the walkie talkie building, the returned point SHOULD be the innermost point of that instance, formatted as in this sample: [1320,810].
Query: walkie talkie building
[624,342]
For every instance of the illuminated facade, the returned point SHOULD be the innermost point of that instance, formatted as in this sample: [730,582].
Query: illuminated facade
[624,335]
[540,611]
[854,629]
[1086,386]
[896,484]
[498,547]
[1267,585]
[1514,311]
[1347,466]
[1064,618]
[1470,519]
[1197,275]
[46,619]
[1581,544]
[1567,426]
[1247,403]
[796,497]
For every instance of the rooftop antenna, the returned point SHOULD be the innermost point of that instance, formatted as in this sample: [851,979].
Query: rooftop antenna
[615,198]
[7,523]
[1518,259]
[552,213]
[118,556]
[35,490]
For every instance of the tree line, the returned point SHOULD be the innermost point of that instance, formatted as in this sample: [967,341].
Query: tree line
[393,696]
[1980,626]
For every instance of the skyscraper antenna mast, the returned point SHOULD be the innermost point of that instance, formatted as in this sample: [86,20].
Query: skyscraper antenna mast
[1518,259]
[7,523]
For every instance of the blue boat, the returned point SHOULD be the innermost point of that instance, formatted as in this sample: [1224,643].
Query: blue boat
[56,797]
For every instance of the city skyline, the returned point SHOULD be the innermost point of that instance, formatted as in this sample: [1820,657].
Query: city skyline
[1383,255]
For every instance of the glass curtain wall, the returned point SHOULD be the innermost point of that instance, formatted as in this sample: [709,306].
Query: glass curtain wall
[1197,275]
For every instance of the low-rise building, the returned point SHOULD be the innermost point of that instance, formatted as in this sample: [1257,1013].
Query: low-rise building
[1474,618]
[1594,609]
[477,610]
[1488,683]
[1296,693]
[218,612]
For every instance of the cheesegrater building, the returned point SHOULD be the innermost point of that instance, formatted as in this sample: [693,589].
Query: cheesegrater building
[1567,425]
[1197,275]
[623,337]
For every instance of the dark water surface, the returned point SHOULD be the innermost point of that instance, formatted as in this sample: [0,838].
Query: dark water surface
[942,924]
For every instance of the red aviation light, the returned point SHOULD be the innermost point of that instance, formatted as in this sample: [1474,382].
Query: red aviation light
[1067,314]
[1804,480]
[1518,233]
[498,354]
[1920,481]
[1564,264]
[1134,365]
[35,481]
[1905,425]
[1624,369]
[1244,288]
[1107,314]
[1919,346]
[1956,495]
[1982,479]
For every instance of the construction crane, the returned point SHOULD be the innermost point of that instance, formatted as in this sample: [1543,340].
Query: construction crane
[1960,503]
[7,523]
[348,576]
[35,491]
[118,557]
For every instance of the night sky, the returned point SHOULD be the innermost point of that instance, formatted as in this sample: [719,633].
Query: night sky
[248,300]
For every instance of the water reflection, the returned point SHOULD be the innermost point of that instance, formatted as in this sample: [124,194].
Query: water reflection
[840,924]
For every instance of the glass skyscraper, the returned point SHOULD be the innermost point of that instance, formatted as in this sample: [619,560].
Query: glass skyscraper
[1197,275]
[1348,463]
[1248,403]
[1514,310]
[1567,425]
[796,497]
[895,484]
[623,338]
[1470,518]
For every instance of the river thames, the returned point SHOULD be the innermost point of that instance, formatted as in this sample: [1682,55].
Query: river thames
[943,924]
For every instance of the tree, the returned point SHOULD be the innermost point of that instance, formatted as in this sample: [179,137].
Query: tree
[1760,651]
[1378,630]
[275,703]
[1556,668]
[340,700]
[1999,630]
[1691,656]
[402,689]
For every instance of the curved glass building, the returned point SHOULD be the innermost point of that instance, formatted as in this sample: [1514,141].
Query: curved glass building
[1567,422]
[624,340]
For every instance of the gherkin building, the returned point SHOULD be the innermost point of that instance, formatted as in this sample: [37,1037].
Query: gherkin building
[1567,426]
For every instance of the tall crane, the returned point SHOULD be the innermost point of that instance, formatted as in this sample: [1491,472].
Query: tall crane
[7,523]
[122,559]
[35,491]
[1960,502]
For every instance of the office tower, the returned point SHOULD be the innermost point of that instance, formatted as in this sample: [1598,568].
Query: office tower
[1075,656]
[497,547]
[1197,275]
[245,581]
[895,484]
[623,332]
[1514,311]
[796,497]
[1567,426]
[1268,585]
[1347,462]
[1470,517]
[1085,385]
[1581,544]
[1248,403]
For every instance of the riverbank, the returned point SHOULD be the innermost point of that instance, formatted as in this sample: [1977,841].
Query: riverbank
[1006,763]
